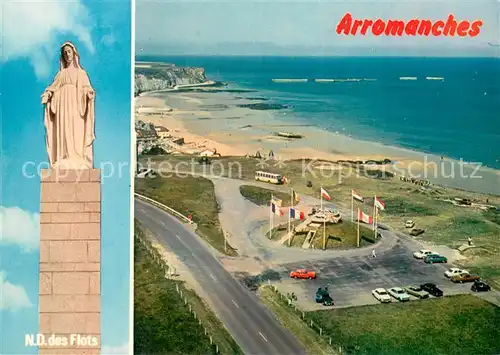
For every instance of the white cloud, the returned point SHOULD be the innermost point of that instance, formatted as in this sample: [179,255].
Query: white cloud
[28,30]
[116,350]
[12,297]
[19,227]
[108,39]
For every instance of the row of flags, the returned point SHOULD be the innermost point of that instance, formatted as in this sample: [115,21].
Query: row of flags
[378,205]
[378,202]
[297,214]
[293,212]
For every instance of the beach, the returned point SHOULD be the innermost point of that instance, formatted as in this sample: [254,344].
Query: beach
[227,122]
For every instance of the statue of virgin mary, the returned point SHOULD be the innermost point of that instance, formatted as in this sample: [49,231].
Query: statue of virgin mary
[69,114]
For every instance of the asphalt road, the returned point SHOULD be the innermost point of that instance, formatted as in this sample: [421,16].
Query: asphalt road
[251,324]
[351,279]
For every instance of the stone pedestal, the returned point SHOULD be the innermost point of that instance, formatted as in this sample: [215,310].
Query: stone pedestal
[70,261]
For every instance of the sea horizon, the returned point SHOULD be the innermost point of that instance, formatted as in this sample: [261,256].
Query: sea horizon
[159,57]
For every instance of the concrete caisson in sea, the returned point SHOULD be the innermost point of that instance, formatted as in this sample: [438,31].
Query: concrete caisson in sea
[289,80]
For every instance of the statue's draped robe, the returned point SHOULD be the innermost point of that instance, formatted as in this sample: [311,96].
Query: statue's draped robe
[69,119]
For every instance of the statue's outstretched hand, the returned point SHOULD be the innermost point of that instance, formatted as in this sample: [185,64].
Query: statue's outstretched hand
[46,97]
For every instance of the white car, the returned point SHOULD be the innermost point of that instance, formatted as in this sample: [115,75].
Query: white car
[409,224]
[381,295]
[455,271]
[399,294]
[423,253]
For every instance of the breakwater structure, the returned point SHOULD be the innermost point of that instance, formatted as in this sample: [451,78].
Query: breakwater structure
[290,80]
[343,80]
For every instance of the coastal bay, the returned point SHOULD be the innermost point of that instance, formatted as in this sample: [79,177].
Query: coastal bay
[448,198]
[217,120]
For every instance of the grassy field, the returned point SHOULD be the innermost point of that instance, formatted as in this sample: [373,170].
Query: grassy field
[458,325]
[262,197]
[191,196]
[338,236]
[162,322]
[444,223]
[312,342]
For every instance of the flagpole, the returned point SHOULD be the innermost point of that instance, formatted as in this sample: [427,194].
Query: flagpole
[320,192]
[324,219]
[324,231]
[375,216]
[271,218]
[376,221]
[352,208]
[289,218]
[358,227]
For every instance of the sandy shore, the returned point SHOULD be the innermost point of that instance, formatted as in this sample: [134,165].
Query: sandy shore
[176,124]
[215,120]
[213,129]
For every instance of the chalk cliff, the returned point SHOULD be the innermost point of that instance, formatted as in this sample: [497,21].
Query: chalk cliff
[166,76]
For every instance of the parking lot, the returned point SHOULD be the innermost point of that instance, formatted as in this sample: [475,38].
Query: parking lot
[350,280]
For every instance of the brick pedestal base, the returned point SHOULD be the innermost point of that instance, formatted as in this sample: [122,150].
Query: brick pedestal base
[70,262]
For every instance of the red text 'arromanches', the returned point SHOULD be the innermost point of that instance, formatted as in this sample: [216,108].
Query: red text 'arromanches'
[414,27]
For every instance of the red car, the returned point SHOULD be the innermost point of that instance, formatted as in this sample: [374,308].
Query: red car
[303,274]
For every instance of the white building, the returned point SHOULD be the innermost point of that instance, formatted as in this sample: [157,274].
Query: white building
[207,153]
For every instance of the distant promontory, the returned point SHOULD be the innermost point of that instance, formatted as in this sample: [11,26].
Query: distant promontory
[152,76]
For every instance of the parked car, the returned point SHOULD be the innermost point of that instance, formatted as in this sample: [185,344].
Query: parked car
[416,291]
[423,253]
[399,294]
[321,293]
[480,286]
[432,289]
[415,232]
[434,258]
[303,274]
[454,271]
[465,277]
[327,301]
[381,295]
[409,224]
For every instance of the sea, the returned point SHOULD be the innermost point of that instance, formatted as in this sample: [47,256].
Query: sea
[444,106]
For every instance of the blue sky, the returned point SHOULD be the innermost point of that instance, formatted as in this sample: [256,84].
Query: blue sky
[102,33]
[291,27]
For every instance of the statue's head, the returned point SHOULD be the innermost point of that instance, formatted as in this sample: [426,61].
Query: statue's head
[69,55]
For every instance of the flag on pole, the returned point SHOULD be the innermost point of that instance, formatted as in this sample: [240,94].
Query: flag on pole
[275,209]
[295,196]
[296,214]
[276,201]
[356,196]
[379,203]
[325,194]
[365,218]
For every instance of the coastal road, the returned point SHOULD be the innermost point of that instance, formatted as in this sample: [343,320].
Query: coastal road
[251,324]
